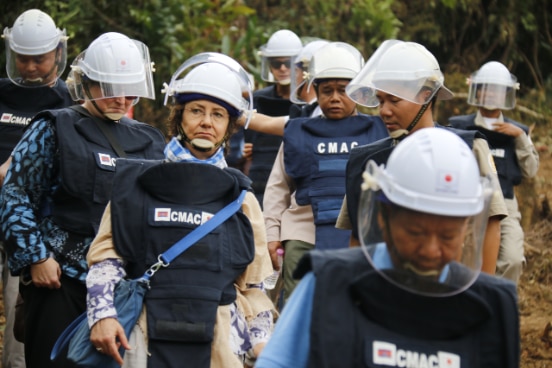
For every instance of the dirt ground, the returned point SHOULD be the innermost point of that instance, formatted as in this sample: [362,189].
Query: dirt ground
[535,288]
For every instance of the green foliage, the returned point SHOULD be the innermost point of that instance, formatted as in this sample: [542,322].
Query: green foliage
[462,34]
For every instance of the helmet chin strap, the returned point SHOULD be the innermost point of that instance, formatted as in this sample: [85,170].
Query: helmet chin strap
[200,144]
[399,134]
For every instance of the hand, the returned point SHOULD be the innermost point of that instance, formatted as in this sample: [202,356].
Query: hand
[247,152]
[242,120]
[272,248]
[107,335]
[508,129]
[46,274]
[4,170]
[258,348]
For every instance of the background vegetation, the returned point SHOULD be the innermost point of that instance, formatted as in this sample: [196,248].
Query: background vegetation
[463,34]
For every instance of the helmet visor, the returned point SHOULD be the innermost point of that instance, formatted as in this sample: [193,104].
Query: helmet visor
[402,69]
[424,253]
[492,96]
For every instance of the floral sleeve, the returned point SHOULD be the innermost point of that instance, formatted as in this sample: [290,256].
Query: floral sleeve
[100,282]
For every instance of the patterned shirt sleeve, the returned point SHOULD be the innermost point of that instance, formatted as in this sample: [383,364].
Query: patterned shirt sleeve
[100,283]
[26,192]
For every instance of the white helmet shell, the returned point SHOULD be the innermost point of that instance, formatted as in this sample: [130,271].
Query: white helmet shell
[34,33]
[420,177]
[402,69]
[120,65]
[493,87]
[336,60]
[282,44]
[215,80]
[215,75]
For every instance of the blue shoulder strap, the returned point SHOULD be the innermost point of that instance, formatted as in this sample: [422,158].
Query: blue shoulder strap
[170,254]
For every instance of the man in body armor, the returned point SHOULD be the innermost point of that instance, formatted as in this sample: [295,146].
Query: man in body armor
[492,89]
[60,180]
[277,57]
[207,308]
[404,79]
[416,297]
[36,55]
[306,185]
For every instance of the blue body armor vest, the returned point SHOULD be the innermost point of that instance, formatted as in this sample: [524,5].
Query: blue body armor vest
[18,105]
[88,165]
[154,205]
[503,149]
[391,327]
[316,151]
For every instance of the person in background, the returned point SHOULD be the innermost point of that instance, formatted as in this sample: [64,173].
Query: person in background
[416,297]
[404,79]
[210,298]
[307,182]
[277,57]
[60,180]
[302,96]
[492,89]
[36,55]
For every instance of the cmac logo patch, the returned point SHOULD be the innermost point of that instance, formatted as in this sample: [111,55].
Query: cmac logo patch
[195,218]
[14,119]
[106,159]
[387,354]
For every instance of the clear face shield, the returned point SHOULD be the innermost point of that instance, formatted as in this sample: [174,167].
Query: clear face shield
[492,96]
[37,66]
[402,69]
[179,85]
[297,85]
[277,69]
[300,93]
[421,252]
[123,72]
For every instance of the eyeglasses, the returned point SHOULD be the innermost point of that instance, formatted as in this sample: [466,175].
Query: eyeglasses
[199,114]
[277,64]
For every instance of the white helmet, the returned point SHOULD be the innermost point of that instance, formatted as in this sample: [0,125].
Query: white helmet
[432,171]
[212,74]
[282,43]
[336,60]
[214,80]
[34,33]
[301,67]
[402,69]
[493,87]
[119,65]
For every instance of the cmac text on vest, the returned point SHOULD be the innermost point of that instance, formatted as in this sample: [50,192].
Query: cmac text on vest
[330,148]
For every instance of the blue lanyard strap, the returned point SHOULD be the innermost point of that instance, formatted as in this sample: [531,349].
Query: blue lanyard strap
[164,259]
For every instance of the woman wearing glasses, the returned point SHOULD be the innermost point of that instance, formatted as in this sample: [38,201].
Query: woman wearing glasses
[207,308]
